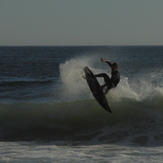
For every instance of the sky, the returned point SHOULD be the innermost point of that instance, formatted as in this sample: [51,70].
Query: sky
[81,22]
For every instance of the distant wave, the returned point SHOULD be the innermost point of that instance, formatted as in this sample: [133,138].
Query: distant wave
[24,82]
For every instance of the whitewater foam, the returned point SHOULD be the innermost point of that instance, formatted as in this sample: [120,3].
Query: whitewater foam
[75,87]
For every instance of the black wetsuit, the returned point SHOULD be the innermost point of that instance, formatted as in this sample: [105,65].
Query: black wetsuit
[110,82]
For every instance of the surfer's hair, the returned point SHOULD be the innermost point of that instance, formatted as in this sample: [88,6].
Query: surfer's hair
[115,65]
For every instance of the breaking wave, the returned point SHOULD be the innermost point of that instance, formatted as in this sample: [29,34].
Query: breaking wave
[137,107]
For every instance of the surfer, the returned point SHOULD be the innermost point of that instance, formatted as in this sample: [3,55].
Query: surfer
[109,82]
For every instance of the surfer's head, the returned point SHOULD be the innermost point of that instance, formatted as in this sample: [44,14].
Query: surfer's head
[115,66]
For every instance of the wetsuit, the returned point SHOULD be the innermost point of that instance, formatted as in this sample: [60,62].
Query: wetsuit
[109,82]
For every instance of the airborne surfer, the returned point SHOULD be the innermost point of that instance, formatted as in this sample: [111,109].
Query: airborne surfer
[109,82]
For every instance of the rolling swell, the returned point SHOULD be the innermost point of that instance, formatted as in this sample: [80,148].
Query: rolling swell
[131,122]
[26,90]
[25,82]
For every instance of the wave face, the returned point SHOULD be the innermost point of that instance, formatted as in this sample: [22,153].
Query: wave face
[132,121]
[47,98]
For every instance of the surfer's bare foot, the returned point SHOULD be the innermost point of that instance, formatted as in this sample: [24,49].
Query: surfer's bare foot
[84,77]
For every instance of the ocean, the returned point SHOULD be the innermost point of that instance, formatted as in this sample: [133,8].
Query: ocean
[48,114]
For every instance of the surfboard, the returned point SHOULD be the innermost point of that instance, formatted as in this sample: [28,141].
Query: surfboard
[95,89]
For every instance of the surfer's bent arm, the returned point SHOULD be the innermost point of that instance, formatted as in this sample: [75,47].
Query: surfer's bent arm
[104,60]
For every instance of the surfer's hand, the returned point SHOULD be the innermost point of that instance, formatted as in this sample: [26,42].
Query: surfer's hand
[103,60]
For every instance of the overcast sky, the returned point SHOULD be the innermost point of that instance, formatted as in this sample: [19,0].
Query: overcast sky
[81,22]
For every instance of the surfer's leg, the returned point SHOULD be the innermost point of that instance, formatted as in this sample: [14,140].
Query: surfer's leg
[100,75]
[109,87]
[105,88]
[105,76]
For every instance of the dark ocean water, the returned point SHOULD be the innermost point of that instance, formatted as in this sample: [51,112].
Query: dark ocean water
[44,98]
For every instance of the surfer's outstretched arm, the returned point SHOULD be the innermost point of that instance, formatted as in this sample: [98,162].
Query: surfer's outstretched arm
[104,60]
